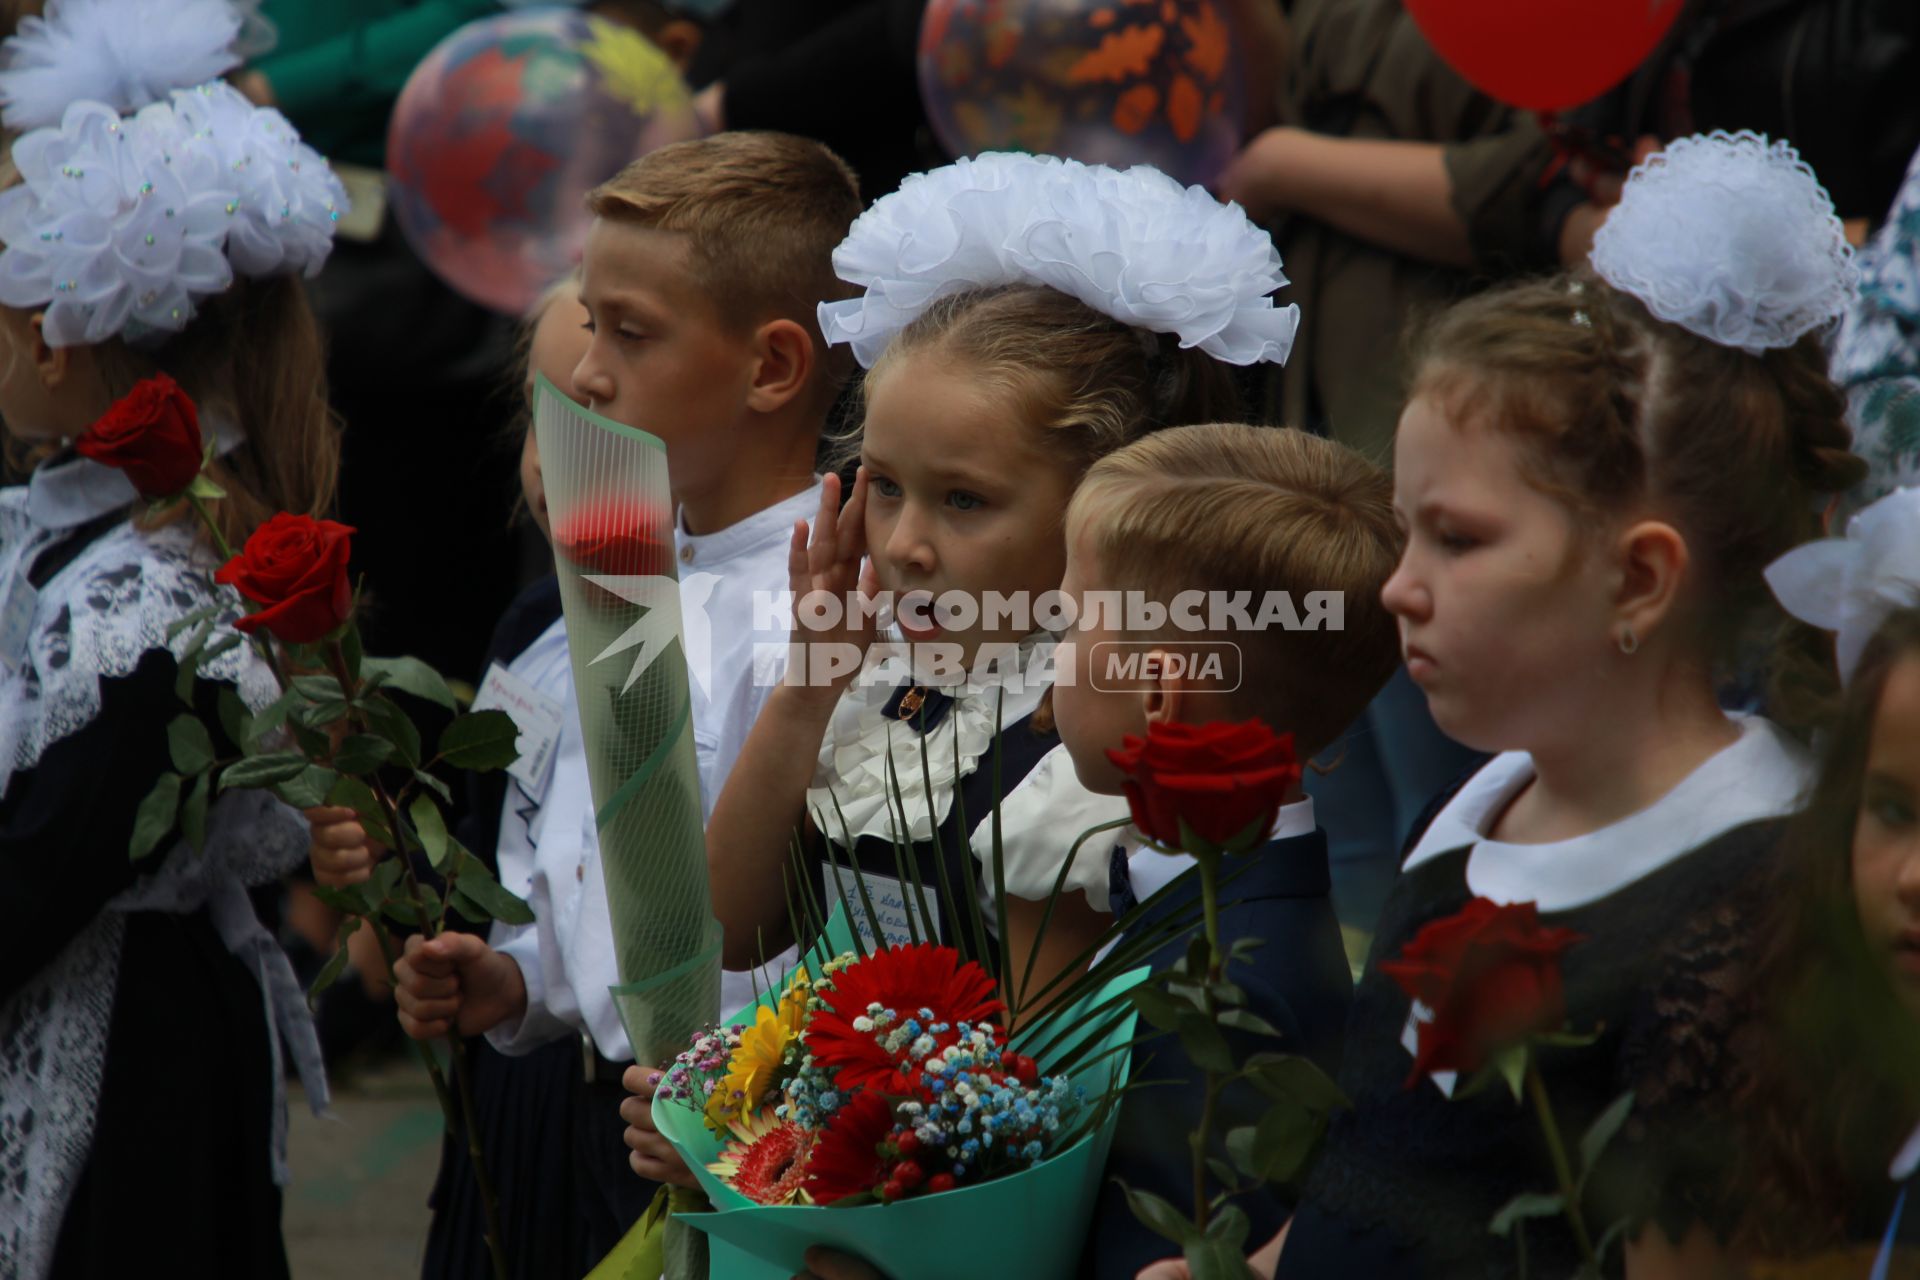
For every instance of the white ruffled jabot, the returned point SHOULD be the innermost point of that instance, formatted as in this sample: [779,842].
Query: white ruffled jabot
[851,795]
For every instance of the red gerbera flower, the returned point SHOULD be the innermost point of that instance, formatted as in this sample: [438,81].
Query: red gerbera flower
[846,1156]
[767,1161]
[905,980]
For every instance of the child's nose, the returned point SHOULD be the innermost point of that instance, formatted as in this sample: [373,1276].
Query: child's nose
[908,545]
[591,382]
[1404,597]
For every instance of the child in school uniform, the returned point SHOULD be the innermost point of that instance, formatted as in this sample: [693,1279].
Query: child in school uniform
[1001,363]
[1594,471]
[144,1008]
[692,333]
[1236,512]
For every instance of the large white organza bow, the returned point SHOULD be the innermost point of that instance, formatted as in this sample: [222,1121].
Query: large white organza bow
[1849,585]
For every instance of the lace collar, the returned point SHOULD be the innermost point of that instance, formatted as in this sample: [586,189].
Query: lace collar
[1763,774]
[851,793]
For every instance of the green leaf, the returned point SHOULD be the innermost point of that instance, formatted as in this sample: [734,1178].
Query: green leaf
[358,796]
[349,900]
[1277,1148]
[262,771]
[336,963]
[314,744]
[469,910]
[361,753]
[350,647]
[153,821]
[219,649]
[319,689]
[432,829]
[1290,1078]
[477,884]
[1220,1254]
[413,676]
[393,724]
[204,486]
[480,740]
[438,786]
[1248,1021]
[1241,949]
[1528,1204]
[1512,1063]
[1593,1143]
[235,720]
[269,718]
[198,616]
[1160,1217]
[193,814]
[308,788]
[189,668]
[190,745]
[1566,1039]
[1200,1037]
[1157,1006]
[318,715]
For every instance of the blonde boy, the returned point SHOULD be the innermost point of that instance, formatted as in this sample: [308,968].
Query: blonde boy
[1287,539]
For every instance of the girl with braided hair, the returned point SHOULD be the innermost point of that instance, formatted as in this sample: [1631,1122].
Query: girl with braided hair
[1594,471]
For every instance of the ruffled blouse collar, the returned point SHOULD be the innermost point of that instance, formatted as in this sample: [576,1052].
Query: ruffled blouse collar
[852,795]
[68,490]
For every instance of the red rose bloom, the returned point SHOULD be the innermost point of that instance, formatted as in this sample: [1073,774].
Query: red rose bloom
[1491,976]
[616,539]
[295,568]
[846,1156]
[153,434]
[1225,781]
[905,980]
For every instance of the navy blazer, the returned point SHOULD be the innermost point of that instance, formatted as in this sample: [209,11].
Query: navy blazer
[1297,980]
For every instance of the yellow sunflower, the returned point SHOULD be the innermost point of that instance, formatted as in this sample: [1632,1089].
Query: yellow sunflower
[757,1062]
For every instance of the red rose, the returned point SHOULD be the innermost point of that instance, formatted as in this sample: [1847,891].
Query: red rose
[295,567]
[616,539]
[152,434]
[1491,976]
[1225,781]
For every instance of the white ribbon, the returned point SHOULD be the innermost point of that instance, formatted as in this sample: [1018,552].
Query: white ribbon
[1850,585]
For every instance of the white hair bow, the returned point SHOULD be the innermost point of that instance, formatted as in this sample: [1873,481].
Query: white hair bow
[1850,585]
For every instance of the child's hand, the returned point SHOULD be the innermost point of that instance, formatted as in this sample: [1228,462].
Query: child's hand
[825,1264]
[826,570]
[651,1155]
[456,981]
[337,846]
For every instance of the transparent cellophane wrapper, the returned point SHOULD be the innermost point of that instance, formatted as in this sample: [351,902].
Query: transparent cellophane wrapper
[612,517]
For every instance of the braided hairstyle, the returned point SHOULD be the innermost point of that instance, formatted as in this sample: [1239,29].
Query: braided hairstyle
[1619,412]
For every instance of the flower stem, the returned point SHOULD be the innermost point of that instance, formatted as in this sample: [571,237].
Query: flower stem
[462,1075]
[261,644]
[1200,1139]
[432,1064]
[206,518]
[1557,1150]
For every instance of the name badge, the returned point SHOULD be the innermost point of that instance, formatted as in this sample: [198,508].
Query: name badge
[537,716]
[894,905]
[16,621]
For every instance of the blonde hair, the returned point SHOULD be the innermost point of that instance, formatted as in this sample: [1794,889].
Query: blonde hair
[1230,508]
[763,213]
[1616,410]
[1090,383]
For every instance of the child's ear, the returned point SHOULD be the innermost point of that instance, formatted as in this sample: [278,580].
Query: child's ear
[1163,697]
[53,364]
[1652,560]
[783,365]
[679,40]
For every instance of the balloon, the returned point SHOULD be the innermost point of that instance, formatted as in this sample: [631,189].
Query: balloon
[1544,55]
[1116,82]
[503,129]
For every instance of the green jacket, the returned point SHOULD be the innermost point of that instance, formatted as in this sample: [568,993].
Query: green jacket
[340,64]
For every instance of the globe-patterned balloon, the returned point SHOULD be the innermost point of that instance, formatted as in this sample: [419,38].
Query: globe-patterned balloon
[503,129]
[1115,82]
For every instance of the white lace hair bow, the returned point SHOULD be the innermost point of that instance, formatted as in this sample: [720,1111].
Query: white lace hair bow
[123,224]
[1849,585]
[1731,236]
[1132,244]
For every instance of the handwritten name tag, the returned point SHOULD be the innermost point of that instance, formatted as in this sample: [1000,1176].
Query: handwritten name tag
[894,904]
[537,716]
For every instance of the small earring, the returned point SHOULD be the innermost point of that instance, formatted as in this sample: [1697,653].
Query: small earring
[1629,642]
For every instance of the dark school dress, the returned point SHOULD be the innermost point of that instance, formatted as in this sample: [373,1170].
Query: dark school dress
[1409,1179]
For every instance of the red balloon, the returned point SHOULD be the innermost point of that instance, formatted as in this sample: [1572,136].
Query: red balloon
[1544,55]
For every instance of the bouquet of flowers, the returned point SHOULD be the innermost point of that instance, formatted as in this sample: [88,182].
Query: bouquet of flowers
[877,1103]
